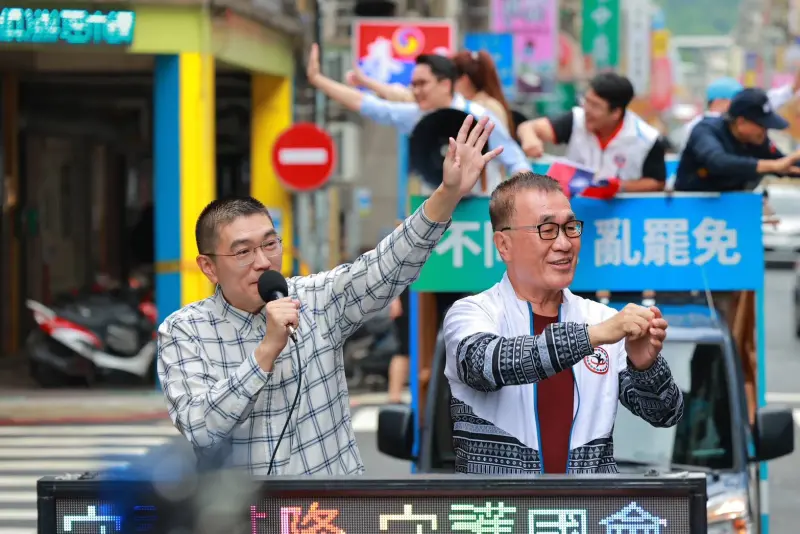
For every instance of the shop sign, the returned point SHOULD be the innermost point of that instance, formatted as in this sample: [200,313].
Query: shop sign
[66,26]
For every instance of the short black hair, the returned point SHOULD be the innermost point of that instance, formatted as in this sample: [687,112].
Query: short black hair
[501,204]
[615,89]
[219,213]
[443,68]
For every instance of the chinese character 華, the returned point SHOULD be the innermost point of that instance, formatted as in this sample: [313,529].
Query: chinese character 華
[485,519]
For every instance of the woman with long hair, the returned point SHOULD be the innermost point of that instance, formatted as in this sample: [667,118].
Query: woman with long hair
[478,81]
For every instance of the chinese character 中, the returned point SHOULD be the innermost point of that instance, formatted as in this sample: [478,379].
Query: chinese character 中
[379,63]
[714,239]
[315,521]
[613,244]
[557,521]
[486,519]
[457,240]
[666,242]
[409,516]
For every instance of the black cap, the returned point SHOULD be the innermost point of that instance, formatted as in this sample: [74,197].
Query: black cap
[753,104]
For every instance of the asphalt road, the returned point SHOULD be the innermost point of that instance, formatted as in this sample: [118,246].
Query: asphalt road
[783,386]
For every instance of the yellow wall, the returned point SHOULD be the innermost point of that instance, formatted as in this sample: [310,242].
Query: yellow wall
[198,164]
[271,114]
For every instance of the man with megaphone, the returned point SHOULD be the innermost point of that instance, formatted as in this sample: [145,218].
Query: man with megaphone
[436,103]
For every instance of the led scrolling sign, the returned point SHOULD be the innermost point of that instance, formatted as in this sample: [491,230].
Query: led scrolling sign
[66,26]
[420,515]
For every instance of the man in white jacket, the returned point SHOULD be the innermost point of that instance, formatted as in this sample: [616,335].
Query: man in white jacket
[720,93]
[536,372]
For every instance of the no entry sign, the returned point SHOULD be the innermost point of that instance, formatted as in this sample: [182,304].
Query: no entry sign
[303,157]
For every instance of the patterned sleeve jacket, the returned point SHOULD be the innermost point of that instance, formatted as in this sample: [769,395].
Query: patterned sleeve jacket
[494,362]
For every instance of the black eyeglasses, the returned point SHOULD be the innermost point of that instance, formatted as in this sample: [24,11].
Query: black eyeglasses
[549,230]
[246,256]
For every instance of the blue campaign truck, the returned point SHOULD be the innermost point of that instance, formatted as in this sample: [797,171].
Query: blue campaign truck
[727,432]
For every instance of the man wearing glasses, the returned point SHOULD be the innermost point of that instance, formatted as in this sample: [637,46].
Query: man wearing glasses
[538,370]
[228,369]
[605,136]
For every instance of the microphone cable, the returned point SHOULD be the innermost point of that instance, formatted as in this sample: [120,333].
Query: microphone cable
[291,410]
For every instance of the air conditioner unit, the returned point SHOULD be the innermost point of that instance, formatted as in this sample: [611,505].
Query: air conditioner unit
[346,137]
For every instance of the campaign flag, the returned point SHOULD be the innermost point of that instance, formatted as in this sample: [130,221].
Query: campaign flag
[386,50]
[577,180]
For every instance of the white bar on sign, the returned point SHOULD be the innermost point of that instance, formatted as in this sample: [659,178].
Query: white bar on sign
[17,497]
[303,156]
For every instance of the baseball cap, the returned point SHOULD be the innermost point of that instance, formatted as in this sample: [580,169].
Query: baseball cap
[752,104]
[722,89]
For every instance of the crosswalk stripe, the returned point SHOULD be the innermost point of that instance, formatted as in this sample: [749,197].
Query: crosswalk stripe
[89,430]
[365,419]
[18,497]
[19,481]
[28,453]
[64,452]
[21,514]
[88,441]
[56,466]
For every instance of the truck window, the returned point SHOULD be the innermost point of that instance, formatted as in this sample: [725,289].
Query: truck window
[703,437]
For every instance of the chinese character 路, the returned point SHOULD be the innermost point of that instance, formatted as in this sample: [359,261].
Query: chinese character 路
[315,521]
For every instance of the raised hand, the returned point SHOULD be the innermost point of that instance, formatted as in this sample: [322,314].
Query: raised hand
[464,161]
[313,70]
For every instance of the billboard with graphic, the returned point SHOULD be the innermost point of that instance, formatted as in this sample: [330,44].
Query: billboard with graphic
[386,50]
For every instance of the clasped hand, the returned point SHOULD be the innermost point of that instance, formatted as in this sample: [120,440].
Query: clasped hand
[644,330]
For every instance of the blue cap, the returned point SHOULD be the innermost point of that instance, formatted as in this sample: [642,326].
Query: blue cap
[722,89]
[753,104]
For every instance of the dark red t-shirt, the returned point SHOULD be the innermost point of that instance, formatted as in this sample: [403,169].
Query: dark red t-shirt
[554,403]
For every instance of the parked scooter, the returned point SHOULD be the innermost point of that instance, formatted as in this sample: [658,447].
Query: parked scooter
[91,337]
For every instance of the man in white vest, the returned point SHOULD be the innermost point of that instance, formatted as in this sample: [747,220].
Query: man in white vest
[536,372]
[603,135]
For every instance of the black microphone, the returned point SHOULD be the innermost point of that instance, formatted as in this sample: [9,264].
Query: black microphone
[272,286]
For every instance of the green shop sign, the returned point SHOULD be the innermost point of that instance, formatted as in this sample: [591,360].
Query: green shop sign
[66,26]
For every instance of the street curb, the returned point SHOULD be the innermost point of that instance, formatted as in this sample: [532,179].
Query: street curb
[100,420]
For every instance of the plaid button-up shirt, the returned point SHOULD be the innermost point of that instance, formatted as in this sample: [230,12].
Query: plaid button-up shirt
[220,399]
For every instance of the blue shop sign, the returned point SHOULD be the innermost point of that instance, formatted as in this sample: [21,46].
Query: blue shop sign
[671,243]
[66,26]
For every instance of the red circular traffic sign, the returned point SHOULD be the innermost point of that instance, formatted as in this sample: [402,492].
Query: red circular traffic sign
[304,157]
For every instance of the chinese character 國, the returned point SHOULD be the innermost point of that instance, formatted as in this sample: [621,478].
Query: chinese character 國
[557,521]
[457,241]
[665,242]
[482,519]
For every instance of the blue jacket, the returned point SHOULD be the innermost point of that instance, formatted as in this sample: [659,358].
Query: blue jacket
[714,160]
